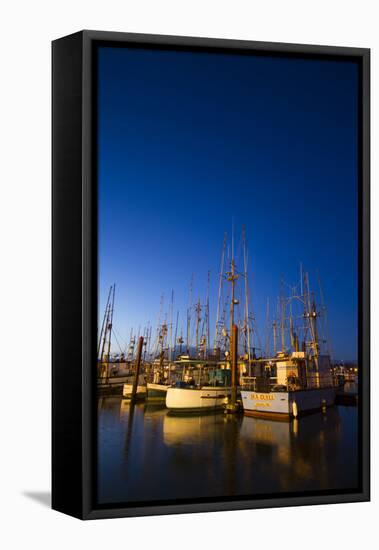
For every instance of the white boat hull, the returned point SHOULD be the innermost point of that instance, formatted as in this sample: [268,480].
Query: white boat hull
[113,380]
[286,404]
[197,399]
[157,392]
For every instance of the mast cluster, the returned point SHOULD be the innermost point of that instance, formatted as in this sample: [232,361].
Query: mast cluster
[293,325]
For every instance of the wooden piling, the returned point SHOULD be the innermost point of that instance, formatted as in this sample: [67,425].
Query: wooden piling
[137,369]
[232,406]
[234,360]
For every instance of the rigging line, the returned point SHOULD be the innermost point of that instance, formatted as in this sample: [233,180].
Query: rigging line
[115,332]
[118,343]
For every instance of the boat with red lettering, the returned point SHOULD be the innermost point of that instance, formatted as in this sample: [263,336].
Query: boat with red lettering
[293,381]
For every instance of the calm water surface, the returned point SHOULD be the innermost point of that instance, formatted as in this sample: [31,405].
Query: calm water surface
[146,453]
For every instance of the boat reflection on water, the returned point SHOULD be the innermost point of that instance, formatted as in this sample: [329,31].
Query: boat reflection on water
[299,455]
[146,453]
[189,430]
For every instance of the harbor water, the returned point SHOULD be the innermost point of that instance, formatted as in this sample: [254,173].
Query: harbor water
[147,454]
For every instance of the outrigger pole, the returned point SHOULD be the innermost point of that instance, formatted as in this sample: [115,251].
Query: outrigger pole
[104,319]
[108,322]
[109,327]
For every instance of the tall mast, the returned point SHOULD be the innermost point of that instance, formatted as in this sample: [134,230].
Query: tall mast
[176,330]
[207,314]
[267,327]
[324,311]
[164,334]
[180,341]
[217,327]
[105,331]
[110,324]
[282,316]
[291,327]
[276,324]
[233,337]
[198,318]
[232,276]
[189,315]
[156,349]
[311,314]
[145,341]
[232,238]
[246,292]
[171,323]
[149,341]
[314,317]
[274,327]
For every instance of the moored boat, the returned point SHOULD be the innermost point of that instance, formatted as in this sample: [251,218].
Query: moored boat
[185,398]
[283,405]
[294,381]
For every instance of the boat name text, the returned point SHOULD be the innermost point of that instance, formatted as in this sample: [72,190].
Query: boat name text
[263,396]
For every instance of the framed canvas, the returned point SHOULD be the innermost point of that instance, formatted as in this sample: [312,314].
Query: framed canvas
[210,275]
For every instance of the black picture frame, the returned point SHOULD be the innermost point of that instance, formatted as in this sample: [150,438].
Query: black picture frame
[74,271]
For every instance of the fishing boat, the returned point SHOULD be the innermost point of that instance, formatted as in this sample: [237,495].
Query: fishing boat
[160,375]
[210,380]
[186,398]
[112,372]
[111,385]
[115,372]
[293,382]
[301,387]
[159,382]
[204,387]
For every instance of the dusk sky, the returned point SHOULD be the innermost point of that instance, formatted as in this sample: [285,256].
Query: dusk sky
[189,142]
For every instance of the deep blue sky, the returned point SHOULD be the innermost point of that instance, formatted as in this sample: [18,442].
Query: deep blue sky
[189,141]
